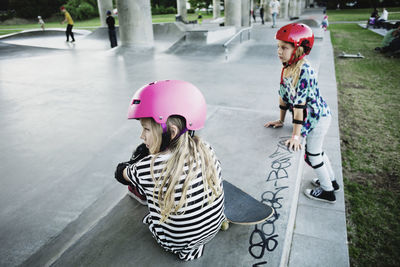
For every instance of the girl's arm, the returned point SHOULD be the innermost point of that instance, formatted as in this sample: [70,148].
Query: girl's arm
[279,123]
[283,108]
[298,120]
[295,142]
[125,175]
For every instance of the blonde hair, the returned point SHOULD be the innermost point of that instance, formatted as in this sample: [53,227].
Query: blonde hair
[294,69]
[185,150]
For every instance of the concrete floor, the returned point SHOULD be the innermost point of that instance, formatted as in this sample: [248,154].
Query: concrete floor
[64,129]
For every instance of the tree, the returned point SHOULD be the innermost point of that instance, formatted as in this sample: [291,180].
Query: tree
[30,9]
[163,3]
[200,3]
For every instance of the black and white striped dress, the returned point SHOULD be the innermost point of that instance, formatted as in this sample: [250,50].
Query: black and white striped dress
[186,232]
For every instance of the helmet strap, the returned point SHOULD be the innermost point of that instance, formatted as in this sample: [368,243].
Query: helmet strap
[166,136]
[164,127]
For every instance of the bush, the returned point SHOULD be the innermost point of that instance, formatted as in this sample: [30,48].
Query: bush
[158,10]
[5,15]
[170,10]
[82,9]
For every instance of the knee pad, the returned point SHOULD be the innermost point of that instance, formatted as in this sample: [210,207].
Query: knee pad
[314,160]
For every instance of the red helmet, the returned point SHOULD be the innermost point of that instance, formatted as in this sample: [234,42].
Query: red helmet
[298,34]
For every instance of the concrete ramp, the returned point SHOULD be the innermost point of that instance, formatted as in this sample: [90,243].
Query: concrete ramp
[101,34]
[51,32]
[55,39]
[167,32]
[309,22]
[203,42]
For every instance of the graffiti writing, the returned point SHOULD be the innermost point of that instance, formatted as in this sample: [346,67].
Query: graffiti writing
[264,237]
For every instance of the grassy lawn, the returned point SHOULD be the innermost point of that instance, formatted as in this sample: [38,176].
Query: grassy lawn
[361,14]
[369,121]
[91,23]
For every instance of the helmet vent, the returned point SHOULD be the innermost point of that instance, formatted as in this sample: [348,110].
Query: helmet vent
[135,101]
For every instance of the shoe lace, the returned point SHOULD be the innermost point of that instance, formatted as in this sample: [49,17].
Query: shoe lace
[317,191]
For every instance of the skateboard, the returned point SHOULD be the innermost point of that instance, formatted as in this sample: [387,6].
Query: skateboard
[241,208]
[358,55]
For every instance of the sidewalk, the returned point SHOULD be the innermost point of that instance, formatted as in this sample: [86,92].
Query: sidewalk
[64,131]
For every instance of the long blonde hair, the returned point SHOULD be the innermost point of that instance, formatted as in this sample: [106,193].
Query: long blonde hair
[185,150]
[294,69]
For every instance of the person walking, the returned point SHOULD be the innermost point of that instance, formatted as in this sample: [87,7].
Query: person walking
[274,7]
[262,14]
[41,22]
[70,24]
[111,29]
[299,93]
[174,172]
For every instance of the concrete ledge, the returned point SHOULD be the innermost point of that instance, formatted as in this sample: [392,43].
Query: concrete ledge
[320,235]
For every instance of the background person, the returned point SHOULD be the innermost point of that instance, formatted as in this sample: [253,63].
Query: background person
[41,22]
[382,19]
[325,23]
[388,38]
[111,29]
[274,8]
[262,14]
[70,24]
[372,19]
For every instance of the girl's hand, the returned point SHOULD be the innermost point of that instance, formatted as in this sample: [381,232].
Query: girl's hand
[294,143]
[274,124]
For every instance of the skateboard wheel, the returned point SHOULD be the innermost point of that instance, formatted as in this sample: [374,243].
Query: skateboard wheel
[224,225]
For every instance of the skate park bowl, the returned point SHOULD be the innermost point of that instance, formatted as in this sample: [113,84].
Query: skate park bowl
[166,35]
[50,38]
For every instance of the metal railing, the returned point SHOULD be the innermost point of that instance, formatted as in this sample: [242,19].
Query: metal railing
[240,34]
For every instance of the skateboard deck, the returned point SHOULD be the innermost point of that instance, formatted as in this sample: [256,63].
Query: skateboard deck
[358,55]
[241,208]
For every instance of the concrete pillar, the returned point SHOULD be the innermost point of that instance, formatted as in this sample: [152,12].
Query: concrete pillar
[245,13]
[267,13]
[233,13]
[216,9]
[135,25]
[299,7]
[293,8]
[181,8]
[284,12]
[104,5]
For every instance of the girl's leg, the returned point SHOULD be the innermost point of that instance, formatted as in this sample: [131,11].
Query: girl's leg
[315,155]
[327,162]
[136,193]
[325,192]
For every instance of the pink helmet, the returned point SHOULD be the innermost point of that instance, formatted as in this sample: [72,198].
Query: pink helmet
[161,99]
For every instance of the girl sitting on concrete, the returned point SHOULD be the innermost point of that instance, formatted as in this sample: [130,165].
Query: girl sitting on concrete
[174,173]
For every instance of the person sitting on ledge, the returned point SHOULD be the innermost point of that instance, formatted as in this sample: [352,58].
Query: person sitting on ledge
[388,39]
